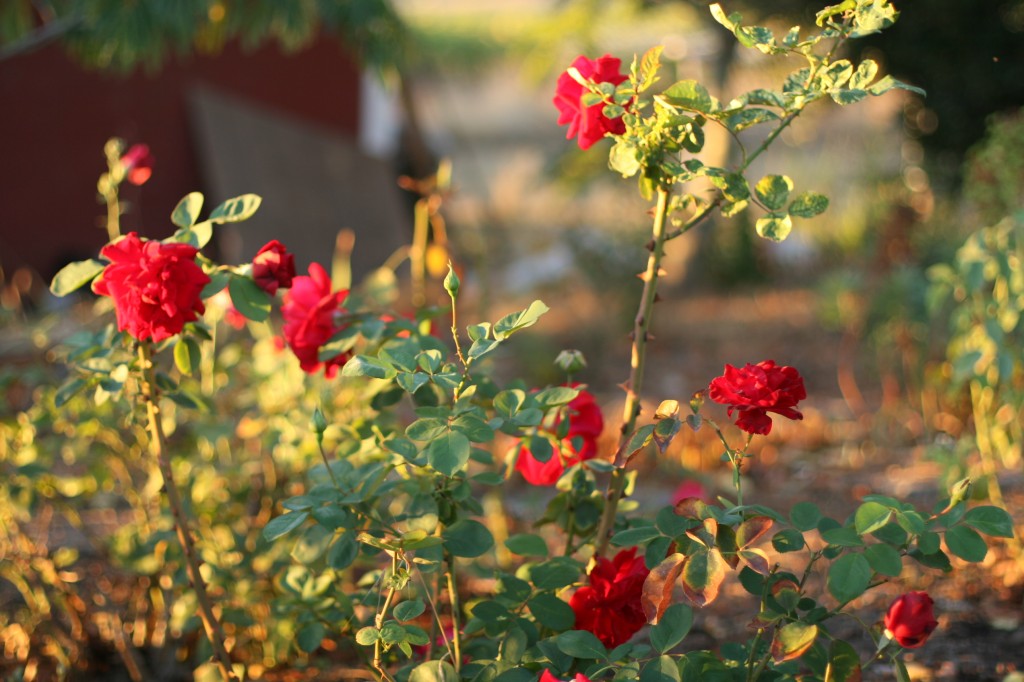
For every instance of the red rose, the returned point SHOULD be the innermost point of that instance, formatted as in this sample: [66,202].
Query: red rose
[585,426]
[137,163]
[547,676]
[309,319]
[756,390]
[589,122]
[691,489]
[155,286]
[910,619]
[273,267]
[610,606]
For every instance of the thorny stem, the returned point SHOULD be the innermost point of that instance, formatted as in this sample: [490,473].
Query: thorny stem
[193,564]
[634,385]
[379,623]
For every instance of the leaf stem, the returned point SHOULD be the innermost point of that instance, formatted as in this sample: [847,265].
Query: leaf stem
[454,596]
[193,563]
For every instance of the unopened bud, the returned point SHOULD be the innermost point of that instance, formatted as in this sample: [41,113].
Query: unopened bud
[451,282]
[319,424]
[571,361]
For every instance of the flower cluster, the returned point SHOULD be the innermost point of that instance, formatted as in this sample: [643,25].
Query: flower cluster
[609,606]
[756,390]
[585,426]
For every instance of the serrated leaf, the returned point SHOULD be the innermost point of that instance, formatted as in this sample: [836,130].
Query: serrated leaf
[284,524]
[236,209]
[581,644]
[186,213]
[689,94]
[514,322]
[965,543]
[367,366]
[990,521]
[775,227]
[408,610]
[672,627]
[702,576]
[249,299]
[74,276]
[449,453]
[870,517]
[467,538]
[848,577]
[884,559]
[808,205]
[793,640]
[552,612]
[773,191]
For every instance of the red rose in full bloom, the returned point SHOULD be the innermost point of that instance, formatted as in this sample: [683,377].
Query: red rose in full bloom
[610,606]
[589,122]
[309,319]
[137,163]
[273,267]
[910,619]
[547,676]
[585,426]
[155,286]
[756,390]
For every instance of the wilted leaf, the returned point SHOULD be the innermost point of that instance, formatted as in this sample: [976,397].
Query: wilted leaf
[659,585]
[792,640]
[702,577]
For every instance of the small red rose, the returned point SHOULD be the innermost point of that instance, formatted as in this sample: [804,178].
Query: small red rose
[910,619]
[273,267]
[756,390]
[155,286]
[548,676]
[137,163]
[589,122]
[610,606]
[309,310]
[585,426]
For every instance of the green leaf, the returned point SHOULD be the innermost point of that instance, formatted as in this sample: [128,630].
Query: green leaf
[556,396]
[837,73]
[870,517]
[902,674]
[865,73]
[773,191]
[672,627]
[218,280]
[808,205]
[638,441]
[186,213]
[775,227]
[343,551]
[887,83]
[408,610]
[843,663]
[555,573]
[634,536]
[434,671]
[661,669]
[312,544]
[74,276]
[844,536]
[805,516]
[514,322]
[990,521]
[68,391]
[844,97]
[702,576]
[689,94]
[527,544]
[965,543]
[310,635]
[848,577]
[367,366]
[746,118]
[793,640]
[482,347]
[788,540]
[581,644]
[283,525]
[884,559]
[647,73]
[552,612]
[235,210]
[251,301]
[186,356]
[467,538]
[624,158]
[449,453]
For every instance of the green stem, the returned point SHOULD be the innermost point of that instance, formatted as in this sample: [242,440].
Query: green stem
[454,596]
[113,214]
[193,563]
[631,410]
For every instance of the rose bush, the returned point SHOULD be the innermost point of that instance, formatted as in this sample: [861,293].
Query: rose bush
[395,549]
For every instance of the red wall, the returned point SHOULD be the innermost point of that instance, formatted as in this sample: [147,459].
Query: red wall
[56,116]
